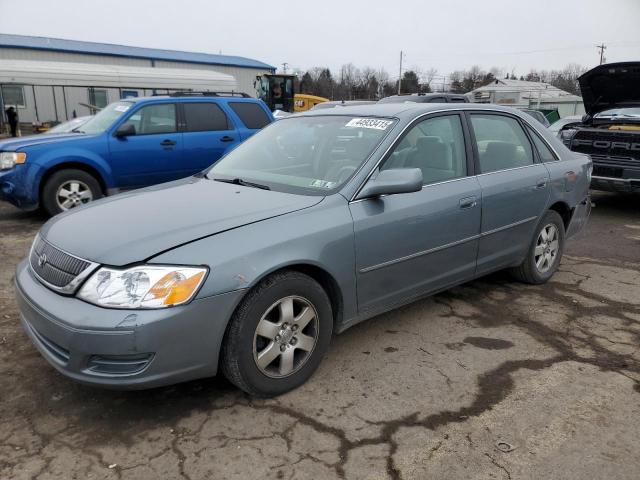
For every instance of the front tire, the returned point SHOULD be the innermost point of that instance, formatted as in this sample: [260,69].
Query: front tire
[545,251]
[278,335]
[68,189]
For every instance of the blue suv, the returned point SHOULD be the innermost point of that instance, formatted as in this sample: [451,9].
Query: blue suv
[129,144]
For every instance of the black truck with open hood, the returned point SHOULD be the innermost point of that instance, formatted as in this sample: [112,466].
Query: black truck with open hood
[610,130]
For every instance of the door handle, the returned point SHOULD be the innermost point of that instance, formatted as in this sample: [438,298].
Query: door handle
[168,143]
[226,138]
[541,183]
[468,202]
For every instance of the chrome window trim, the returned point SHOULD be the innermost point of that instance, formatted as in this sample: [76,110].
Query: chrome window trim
[445,246]
[73,285]
[508,169]
[452,111]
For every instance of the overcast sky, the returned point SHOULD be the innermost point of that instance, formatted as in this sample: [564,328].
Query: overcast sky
[445,34]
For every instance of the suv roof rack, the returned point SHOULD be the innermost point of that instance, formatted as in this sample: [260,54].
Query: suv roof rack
[189,93]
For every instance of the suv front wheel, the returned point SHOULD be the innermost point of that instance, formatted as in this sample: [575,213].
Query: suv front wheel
[68,189]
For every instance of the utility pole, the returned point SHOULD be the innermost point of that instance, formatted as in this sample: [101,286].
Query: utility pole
[602,48]
[285,65]
[400,75]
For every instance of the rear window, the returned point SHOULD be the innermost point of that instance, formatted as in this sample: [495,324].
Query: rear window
[204,117]
[251,114]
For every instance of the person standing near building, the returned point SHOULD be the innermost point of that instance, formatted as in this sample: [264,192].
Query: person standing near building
[12,118]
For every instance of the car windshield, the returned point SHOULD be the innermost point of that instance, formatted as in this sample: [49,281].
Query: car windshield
[105,118]
[313,155]
[69,126]
[631,112]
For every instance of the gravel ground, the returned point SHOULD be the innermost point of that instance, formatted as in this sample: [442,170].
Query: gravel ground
[426,391]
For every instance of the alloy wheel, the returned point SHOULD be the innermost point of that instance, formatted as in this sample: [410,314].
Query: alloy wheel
[73,193]
[547,247]
[285,336]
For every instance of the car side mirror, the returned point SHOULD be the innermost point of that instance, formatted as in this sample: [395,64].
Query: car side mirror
[125,130]
[391,182]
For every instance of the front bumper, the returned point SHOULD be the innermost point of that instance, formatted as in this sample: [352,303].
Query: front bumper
[16,187]
[612,184]
[123,349]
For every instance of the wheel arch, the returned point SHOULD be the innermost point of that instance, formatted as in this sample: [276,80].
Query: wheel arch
[66,165]
[564,210]
[322,276]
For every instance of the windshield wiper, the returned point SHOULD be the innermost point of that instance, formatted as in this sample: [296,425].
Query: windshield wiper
[244,183]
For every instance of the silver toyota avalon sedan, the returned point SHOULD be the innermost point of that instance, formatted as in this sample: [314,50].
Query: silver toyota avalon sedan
[316,223]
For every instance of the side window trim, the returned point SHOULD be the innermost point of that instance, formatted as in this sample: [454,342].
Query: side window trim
[147,105]
[531,132]
[474,143]
[465,135]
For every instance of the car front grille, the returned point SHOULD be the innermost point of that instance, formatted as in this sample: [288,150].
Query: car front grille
[616,148]
[53,266]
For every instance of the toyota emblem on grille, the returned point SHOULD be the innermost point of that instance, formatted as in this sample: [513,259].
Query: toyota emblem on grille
[42,259]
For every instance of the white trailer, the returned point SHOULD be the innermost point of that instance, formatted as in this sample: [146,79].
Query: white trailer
[52,92]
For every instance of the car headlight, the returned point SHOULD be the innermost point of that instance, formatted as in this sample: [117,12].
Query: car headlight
[145,286]
[10,159]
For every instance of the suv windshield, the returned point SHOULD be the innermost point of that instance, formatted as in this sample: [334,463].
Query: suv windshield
[313,155]
[631,112]
[104,118]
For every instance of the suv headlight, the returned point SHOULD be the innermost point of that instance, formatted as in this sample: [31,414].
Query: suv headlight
[567,135]
[10,159]
[145,286]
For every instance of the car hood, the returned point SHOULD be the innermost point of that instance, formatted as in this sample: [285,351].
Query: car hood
[609,86]
[136,226]
[13,144]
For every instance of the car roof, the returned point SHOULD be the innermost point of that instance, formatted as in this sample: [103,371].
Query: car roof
[405,110]
[420,97]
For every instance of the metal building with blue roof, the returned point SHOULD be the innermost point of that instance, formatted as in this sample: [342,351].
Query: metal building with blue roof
[39,102]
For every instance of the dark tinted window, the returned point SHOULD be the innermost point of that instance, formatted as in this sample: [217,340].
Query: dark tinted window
[457,99]
[251,114]
[546,155]
[204,117]
[501,142]
[437,100]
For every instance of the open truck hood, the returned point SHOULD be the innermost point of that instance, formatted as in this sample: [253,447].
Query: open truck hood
[612,85]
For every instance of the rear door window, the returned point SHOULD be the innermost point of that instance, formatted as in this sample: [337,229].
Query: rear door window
[545,153]
[204,117]
[251,114]
[501,142]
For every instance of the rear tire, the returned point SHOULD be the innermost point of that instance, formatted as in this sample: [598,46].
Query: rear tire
[68,189]
[278,335]
[545,251]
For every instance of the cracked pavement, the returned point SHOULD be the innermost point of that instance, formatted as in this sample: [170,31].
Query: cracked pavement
[425,391]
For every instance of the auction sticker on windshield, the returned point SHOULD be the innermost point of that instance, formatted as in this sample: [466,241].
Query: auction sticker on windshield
[374,123]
